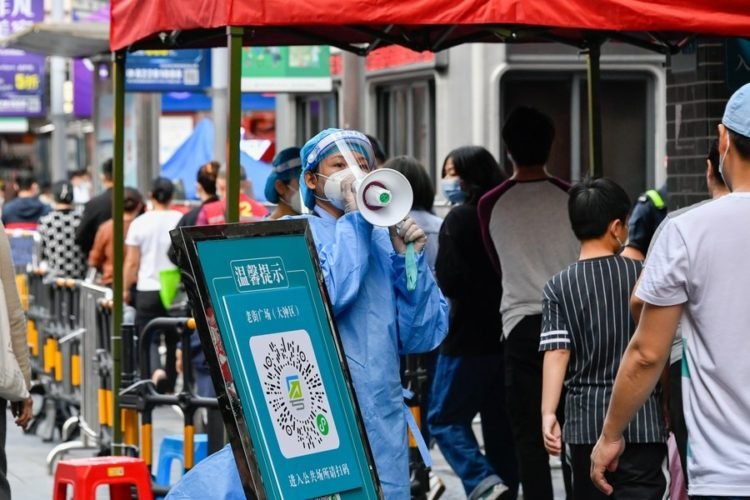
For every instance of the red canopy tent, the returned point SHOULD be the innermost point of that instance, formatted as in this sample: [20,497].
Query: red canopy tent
[363,25]
[418,24]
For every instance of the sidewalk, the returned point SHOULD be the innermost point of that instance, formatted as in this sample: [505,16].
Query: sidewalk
[29,480]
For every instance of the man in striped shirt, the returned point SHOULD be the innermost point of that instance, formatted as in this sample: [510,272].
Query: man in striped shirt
[586,327]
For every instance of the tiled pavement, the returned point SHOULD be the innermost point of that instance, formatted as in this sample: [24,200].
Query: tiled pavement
[29,479]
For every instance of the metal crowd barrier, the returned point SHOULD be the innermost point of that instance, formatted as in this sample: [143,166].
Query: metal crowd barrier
[139,395]
[69,344]
[90,370]
[69,336]
[52,338]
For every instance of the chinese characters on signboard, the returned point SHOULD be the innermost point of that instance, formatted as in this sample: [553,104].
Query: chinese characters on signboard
[287,383]
[21,73]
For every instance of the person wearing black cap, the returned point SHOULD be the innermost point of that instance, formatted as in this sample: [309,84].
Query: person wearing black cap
[60,253]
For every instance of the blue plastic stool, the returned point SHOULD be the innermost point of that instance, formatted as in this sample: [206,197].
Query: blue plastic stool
[171,449]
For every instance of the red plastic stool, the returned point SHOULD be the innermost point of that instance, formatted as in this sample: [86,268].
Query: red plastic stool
[85,474]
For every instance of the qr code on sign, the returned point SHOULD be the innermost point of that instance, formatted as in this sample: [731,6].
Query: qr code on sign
[191,77]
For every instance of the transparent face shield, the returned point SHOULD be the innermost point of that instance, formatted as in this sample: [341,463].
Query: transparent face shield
[383,196]
[354,159]
[358,156]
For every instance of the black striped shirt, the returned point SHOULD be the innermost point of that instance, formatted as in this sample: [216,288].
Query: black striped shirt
[587,311]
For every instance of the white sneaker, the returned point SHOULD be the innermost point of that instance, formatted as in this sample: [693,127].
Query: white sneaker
[437,487]
[495,492]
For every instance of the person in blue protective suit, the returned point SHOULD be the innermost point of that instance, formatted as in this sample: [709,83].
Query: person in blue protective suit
[377,317]
[282,185]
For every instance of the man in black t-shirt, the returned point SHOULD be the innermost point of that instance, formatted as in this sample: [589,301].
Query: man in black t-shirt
[96,212]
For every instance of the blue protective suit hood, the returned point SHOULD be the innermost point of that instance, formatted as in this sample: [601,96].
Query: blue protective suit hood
[322,146]
[286,164]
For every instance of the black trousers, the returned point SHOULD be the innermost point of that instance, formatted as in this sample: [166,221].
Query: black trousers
[148,306]
[523,379]
[641,474]
[676,415]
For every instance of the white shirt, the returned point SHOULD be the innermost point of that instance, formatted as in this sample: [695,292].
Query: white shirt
[700,260]
[150,233]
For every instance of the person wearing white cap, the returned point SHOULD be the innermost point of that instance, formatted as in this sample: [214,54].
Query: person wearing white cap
[697,276]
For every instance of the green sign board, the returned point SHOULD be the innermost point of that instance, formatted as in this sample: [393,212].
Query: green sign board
[286,69]
[277,361]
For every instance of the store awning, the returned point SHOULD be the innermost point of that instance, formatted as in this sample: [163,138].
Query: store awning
[80,39]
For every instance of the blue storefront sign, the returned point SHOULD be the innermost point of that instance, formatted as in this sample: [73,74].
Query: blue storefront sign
[267,321]
[21,73]
[168,70]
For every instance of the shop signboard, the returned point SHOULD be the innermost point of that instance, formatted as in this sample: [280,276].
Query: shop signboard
[286,69]
[186,70]
[22,75]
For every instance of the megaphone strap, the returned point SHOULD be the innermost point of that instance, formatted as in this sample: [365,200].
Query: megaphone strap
[411,267]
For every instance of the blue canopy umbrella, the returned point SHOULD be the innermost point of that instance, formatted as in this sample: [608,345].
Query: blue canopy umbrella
[197,150]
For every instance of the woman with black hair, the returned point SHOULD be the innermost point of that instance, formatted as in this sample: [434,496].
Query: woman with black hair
[469,373]
[102,254]
[147,244]
[60,254]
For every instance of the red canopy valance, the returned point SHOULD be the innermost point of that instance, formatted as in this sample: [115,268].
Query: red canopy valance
[419,24]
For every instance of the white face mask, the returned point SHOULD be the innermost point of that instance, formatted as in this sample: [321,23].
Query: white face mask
[332,188]
[721,163]
[295,201]
[622,245]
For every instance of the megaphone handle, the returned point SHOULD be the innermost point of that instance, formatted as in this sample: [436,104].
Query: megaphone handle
[411,267]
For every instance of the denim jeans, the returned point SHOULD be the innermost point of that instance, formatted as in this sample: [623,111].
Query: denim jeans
[463,387]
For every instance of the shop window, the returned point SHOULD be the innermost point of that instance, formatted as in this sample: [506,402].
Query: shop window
[315,113]
[626,123]
[405,120]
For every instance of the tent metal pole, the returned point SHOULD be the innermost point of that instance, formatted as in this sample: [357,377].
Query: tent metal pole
[234,81]
[118,174]
[593,80]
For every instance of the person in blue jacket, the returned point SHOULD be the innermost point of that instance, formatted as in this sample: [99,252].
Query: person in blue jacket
[378,319]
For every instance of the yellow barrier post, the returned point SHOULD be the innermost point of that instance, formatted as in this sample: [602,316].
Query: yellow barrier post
[32,335]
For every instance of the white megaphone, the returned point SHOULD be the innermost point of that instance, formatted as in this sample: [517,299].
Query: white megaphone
[384,197]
